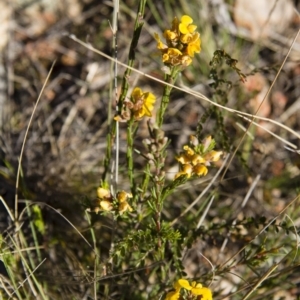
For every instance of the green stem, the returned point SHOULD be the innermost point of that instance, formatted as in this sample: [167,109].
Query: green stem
[145,182]
[97,251]
[130,137]
[109,142]
[124,89]
[166,95]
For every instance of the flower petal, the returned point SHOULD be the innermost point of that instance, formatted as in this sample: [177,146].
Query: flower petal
[173,295]
[213,155]
[184,284]
[185,19]
[136,94]
[103,193]
[184,26]
[106,205]
[204,292]
[124,206]
[200,170]
[170,35]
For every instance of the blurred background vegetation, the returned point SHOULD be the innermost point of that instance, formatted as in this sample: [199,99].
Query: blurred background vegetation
[65,147]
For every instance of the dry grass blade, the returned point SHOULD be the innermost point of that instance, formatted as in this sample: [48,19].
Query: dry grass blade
[7,209]
[25,138]
[260,281]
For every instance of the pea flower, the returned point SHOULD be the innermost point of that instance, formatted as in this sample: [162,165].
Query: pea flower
[175,58]
[140,104]
[187,170]
[103,193]
[122,198]
[143,103]
[195,289]
[200,170]
[186,26]
[182,42]
[193,44]
[103,202]
[105,199]
[160,44]
[171,36]
[174,295]
[196,157]
[213,156]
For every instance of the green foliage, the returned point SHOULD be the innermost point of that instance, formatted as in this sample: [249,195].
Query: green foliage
[38,219]
[215,63]
[7,257]
[138,245]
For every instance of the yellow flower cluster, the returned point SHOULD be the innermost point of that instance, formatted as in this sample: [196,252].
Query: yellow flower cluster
[196,157]
[194,289]
[140,104]
[182,42]
[106,202]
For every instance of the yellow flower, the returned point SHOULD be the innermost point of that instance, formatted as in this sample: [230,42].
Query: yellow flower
[193,46]
[106,205]
[200,170]
[186,60]
[148,104]
[196,156]
[213,156]
[184,158]
[204,292]
[143,103]
[174,295]
[103,193]
[122,197]
[186,170]
[170,35]
[98,205]
[188,150]
[182,42]
[195,289]
[197,159]
[124,206]
[183,283]
[189,156]
[172,57]
[160,44]
[186,25]
[104,200]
